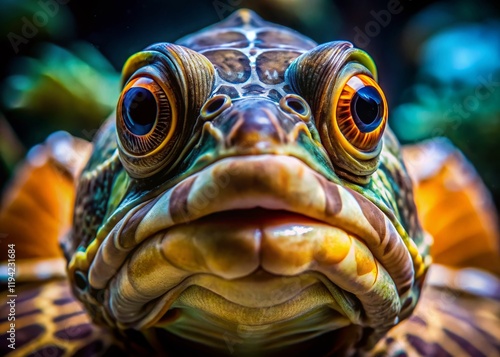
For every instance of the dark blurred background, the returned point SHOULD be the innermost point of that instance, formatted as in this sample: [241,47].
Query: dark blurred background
[439,62]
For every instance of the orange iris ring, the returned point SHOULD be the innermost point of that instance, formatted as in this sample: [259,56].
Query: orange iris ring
[148,83]
[374,136]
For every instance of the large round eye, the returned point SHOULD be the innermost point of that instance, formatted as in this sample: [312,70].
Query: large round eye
[145,121]
[362,112]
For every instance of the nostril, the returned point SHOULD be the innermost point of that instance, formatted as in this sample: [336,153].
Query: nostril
[294,104]
[215,105]
[297,106]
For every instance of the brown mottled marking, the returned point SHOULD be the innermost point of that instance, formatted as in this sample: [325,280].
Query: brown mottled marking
[407,286]
[178,204]
[372,214]
[390,245]
[61,327]
[233,66]
[427,349]
[271,65]
[23,336]
[28,295]
[418,320]
[52,351]
[67,316]
[333,200]
[250,89]
[276,38]
[223,39]
[78,332]
[127,233]
[462,317]
[464,344]
[24,314]
[391,237]
[406,194]
[274,95]
[396,258]
[64,301]
[227,90]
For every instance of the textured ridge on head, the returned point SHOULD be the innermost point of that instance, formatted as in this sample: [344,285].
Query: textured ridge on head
[243,17]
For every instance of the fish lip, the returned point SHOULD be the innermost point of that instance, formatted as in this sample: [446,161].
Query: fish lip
[270,334]
[171,298]
[347,304]
[159,214]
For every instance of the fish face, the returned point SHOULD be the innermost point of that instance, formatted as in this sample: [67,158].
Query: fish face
[224,201]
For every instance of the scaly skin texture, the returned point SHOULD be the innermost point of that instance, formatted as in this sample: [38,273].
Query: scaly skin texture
[252,203]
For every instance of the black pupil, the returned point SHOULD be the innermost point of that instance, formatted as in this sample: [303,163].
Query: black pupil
[366,108]
[139,110]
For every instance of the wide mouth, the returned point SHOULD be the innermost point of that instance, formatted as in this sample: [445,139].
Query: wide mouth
[287,309]
[243,260]
[243,215]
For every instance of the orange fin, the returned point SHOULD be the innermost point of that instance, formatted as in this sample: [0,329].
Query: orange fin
[458,314]
[454,206]
[37,208]
[50,321]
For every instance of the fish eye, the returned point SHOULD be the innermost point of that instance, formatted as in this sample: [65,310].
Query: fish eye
[140,110]
[164,88]
[361,113]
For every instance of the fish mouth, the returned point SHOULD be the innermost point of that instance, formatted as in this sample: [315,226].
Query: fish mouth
[262,311]
[216,233]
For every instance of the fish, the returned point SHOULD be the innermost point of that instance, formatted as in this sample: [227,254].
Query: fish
[246,198]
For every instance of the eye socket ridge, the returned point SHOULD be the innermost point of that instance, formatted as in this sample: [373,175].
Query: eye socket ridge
[181,80]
